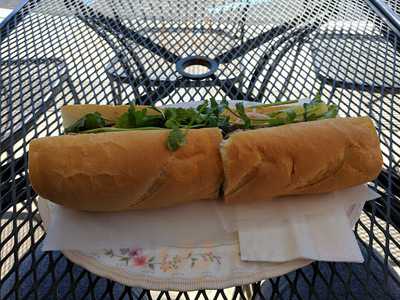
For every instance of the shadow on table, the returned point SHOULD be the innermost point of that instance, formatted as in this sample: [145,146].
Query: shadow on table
[50,275]
[324,280]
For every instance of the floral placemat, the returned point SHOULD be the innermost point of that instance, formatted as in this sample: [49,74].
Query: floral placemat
[162,260]
[209,267]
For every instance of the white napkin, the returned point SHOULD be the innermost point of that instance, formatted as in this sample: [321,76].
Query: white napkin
[191,225]
[315,227]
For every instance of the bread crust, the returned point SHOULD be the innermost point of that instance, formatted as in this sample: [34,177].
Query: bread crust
[304,158]
[126,170]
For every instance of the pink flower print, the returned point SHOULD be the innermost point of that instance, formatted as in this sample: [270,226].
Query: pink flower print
[135,252]
[139,261]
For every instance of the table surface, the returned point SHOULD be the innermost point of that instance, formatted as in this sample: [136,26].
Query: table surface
[61,52]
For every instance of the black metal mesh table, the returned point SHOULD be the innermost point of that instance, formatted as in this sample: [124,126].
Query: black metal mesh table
[60,52]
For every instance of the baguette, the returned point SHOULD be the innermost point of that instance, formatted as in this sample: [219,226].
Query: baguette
[114,171]
[304,158]
[126,170]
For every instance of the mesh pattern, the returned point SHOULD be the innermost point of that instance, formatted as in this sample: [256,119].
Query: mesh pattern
[61,52]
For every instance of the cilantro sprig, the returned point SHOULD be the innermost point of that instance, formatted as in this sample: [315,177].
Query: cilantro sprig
[89,121]
[138,118]
[208,114]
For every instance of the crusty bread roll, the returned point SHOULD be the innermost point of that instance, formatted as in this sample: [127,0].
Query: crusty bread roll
[71,113]
[304,158]
[126,170]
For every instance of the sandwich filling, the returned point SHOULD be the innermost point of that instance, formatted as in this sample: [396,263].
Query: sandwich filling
[209,114]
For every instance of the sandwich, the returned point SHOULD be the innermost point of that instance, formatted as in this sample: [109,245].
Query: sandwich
[114,158]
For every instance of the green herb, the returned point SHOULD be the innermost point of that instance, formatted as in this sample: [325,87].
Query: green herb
[116,129]
[208,114]
[138,118]
[157,110]
[332,112]
[318,96]
[242,113]
[203,108]
[182,117]
[315,110]
[212,114]
[87,122]
[176,139]
[225,105]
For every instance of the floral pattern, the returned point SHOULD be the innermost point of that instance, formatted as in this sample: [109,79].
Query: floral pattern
[165,262]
